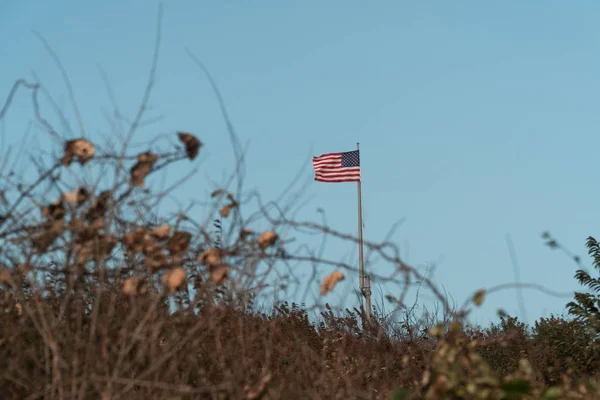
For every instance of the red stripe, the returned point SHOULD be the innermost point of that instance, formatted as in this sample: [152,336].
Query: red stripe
[328,155]
[337,180]
[327,165]
[336,176]
[339,171]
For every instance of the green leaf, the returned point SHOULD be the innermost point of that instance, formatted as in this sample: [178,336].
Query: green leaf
[553,392]
[399,394]
[516,388]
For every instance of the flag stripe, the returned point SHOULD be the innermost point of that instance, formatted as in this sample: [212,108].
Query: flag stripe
[337,167]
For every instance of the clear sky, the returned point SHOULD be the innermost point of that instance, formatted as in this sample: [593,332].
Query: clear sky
[476,119]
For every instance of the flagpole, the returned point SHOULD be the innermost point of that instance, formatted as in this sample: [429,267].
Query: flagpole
[363,280]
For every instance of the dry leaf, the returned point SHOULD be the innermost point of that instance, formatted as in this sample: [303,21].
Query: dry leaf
[218,273]
[162,232]
[330,281]
[85,232]
[100,206]
[77,196]
[267,239]
[179,242]
[210,257]
[478,297]
[225,210]
[244,233]
[173,279]
[136,241]
[156,261]
[50,232]
[19,308]
[142,168]
[100,247]
[192,145]
[54,210]
[217,192]
[80,148]
[131,285]
[5,276]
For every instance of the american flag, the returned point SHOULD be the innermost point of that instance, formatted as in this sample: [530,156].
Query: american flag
[337,167]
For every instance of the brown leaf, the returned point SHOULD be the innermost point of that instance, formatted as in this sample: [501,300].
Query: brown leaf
[162,232]
[156,261]
[245,232]
[179,242]
[330,281]
[132,285]
[142,168]
[478,297]
[174,278]
[210,257]
[136,241]
[267,239]
[217,192]
[100,247]
[50,231]
[218,273]
[77,196]
[54,210]
[100,206]
[192,144]
[225,210]
[80,148]
[6,277]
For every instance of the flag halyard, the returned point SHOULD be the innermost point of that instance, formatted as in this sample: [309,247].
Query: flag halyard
[337,167]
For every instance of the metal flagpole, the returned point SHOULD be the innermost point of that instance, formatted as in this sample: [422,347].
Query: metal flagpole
[363,280]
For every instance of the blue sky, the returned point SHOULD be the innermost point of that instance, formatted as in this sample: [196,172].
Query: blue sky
[476,119]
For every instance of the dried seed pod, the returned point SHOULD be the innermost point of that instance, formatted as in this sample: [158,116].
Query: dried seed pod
[179,242]
[192,144]
[162,232]
[80,148]
[218,273]
[330,281]
[174,278]
[267,239]
[142,168]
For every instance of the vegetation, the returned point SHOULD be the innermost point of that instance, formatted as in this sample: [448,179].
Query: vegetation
[102,296]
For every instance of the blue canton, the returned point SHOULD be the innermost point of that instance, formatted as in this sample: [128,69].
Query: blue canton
[350,159]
